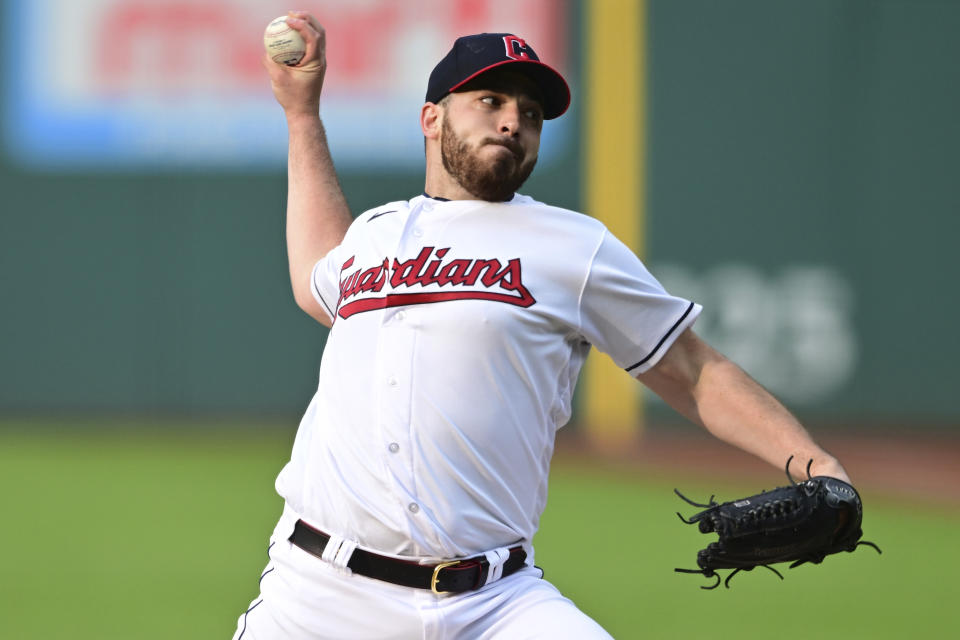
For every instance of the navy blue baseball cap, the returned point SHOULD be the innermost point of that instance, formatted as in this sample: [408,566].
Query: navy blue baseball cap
[474,55]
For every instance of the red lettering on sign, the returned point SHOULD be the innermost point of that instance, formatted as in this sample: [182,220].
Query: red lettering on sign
[169,46]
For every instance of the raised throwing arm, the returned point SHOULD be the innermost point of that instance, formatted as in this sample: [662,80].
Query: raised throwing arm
[317,212]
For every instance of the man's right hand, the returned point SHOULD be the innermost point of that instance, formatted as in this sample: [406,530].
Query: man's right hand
[317,212]
[298,88]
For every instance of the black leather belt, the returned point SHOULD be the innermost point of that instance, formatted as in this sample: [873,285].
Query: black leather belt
[447,577]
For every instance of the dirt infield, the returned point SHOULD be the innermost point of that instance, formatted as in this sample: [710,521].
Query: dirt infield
[895,465]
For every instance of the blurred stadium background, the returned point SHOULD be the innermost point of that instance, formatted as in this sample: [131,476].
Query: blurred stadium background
[798,164]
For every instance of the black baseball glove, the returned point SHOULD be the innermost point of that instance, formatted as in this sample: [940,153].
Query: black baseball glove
[804,522]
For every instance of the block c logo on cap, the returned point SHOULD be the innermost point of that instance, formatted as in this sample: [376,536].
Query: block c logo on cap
[517,49]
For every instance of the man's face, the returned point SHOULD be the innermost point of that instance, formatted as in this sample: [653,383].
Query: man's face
[490,135]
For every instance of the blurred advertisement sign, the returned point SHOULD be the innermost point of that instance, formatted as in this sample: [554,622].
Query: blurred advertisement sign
[794,330]
[144,84]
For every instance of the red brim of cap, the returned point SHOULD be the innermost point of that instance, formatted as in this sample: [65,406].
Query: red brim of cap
[556,93]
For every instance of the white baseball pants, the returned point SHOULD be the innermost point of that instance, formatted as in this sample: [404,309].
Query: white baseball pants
[304,598]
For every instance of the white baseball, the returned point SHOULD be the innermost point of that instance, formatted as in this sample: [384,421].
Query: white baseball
[284,44]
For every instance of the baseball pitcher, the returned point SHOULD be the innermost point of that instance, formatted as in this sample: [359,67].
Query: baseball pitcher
[460,319]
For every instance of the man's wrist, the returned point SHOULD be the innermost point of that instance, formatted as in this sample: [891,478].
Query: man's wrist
[302,118]
[829,466]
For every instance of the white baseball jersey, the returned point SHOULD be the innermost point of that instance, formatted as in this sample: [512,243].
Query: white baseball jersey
[460,328]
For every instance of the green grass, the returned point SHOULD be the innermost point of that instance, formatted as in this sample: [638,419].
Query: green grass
[141,533]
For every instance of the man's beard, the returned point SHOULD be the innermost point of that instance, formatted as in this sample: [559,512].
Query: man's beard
[494,181]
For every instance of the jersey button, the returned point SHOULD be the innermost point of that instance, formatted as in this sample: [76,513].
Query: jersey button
[417,232]
[400,315]
[413,507]
[392,382]
[394,447]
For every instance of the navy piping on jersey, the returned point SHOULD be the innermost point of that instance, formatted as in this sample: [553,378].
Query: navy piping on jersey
[259,602]
[325,305]
[664,338]
[265,574]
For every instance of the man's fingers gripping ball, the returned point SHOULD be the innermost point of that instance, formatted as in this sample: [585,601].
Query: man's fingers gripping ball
[283,43]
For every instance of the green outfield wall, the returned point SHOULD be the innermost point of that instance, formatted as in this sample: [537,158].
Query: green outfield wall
[802,184]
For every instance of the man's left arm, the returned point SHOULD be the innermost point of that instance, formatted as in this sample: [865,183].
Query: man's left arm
[709,389]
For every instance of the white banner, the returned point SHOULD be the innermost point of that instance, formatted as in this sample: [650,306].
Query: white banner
[146,84]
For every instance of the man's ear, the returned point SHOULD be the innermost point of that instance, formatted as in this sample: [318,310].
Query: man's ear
[431,117]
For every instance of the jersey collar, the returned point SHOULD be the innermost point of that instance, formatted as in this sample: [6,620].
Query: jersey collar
[438,199]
